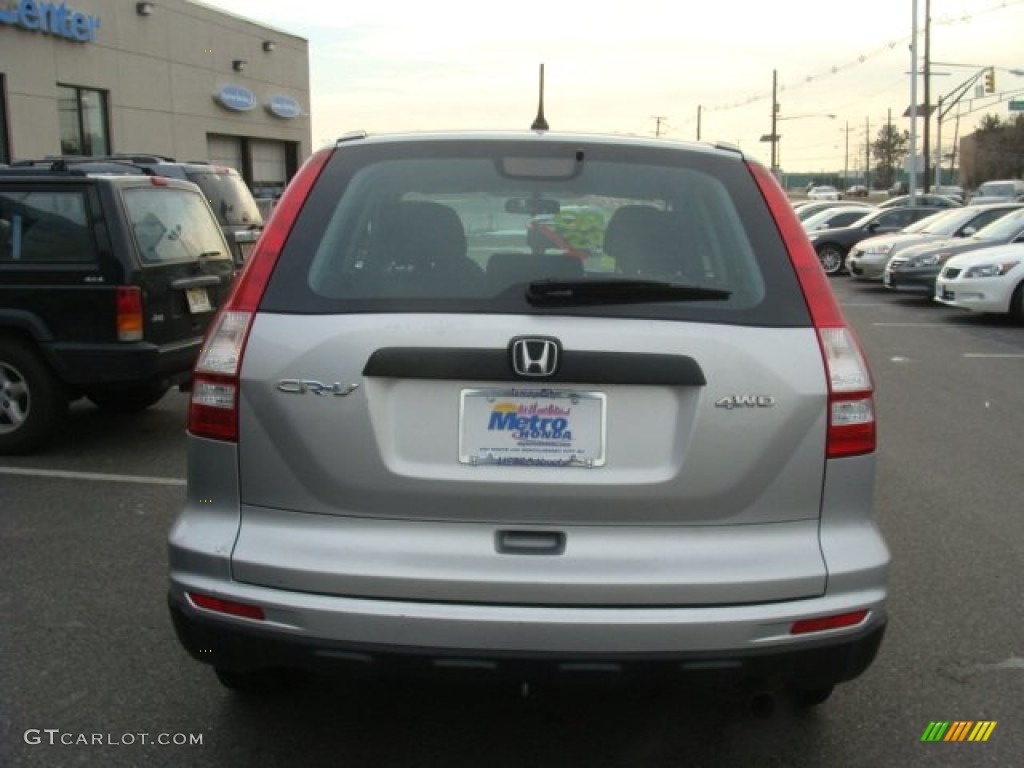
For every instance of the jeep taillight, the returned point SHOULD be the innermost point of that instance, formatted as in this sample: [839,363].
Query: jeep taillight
[128,300]
[213,411]
[851,408]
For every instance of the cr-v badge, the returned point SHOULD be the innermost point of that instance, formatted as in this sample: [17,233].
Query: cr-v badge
[302,386]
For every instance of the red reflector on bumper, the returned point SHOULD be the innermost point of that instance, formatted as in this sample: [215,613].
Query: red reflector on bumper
[827,622]
[226,606]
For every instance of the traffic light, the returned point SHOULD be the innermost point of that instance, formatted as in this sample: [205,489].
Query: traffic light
[990,80]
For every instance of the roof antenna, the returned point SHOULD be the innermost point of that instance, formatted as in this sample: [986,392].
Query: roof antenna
[539,123]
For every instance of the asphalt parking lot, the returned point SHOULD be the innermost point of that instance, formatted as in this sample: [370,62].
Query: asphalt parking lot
[92,674]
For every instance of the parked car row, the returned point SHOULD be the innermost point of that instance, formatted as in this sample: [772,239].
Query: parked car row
[868,259]
[916,269]
[970,257]
[833,245]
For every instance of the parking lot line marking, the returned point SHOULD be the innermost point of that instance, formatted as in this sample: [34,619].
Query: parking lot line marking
[996,356]
[101,476]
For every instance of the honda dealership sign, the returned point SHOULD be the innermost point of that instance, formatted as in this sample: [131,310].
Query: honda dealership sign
[51,19]
[236,98]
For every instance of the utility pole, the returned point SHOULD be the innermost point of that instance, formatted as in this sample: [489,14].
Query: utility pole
[775,115]
[658,120]
[867,153]
[846,162]
[773,137]
[926,151]
[912,185]
[698,121]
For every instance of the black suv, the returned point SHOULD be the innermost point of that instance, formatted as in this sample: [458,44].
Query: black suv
[107,285]
[230,199]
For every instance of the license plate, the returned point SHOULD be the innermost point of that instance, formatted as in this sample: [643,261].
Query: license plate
[198,300]
[245,249]
[532,427]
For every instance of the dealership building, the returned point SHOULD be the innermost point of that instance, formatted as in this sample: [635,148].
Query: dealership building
[169,77]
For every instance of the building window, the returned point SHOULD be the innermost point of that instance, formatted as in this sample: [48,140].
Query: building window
[84,128]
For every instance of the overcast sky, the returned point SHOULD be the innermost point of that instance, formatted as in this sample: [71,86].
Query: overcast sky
[616,67]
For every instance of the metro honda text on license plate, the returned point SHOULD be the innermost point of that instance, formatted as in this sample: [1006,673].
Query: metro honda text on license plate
[532,427]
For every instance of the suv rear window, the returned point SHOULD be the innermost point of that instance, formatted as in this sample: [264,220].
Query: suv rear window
[172,225]
[464,226]
[230,199]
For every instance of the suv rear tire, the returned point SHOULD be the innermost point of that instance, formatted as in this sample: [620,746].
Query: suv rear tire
[32,402]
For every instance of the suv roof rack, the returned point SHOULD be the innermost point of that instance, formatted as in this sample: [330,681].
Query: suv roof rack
[73,164]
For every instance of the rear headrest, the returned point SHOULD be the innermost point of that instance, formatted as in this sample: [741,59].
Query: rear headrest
[422,234]
[643,240]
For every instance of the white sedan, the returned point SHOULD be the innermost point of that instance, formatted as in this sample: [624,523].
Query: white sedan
[985,280]
[823,192]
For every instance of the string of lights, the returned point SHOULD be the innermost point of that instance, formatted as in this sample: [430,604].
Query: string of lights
[948,20]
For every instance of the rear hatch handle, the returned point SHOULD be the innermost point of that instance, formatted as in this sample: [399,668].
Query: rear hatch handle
[530,542]
[197,281]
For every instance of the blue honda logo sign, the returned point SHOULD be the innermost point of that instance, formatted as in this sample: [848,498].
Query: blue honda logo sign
[284,106]
[236,98]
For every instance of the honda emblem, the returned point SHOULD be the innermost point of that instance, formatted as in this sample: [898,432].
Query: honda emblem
[535,356]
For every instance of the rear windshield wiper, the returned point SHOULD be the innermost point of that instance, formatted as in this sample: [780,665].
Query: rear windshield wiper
[565,293]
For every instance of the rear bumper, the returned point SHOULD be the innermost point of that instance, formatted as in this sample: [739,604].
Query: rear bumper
[316,627]
[123,363]
[811,662]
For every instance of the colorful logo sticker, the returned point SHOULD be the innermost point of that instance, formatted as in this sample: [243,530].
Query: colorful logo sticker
[959,730]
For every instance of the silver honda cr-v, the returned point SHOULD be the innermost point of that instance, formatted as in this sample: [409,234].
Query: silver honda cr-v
[532,403]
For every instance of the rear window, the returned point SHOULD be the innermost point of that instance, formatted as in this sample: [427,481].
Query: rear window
[470,226]
[229,197]
[172,225]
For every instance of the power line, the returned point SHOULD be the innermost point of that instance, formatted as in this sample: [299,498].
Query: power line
[948,20]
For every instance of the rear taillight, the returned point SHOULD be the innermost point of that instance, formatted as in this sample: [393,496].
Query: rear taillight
[851,410]
[213,412]
[129,313]
[851,418]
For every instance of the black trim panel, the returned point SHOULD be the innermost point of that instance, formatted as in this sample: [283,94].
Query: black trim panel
[811,663]
[639,369]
